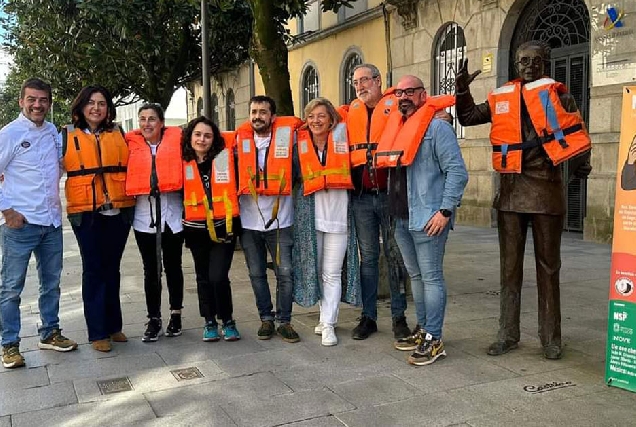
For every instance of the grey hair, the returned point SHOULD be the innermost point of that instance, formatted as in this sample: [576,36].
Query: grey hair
[546,49]
[375,72]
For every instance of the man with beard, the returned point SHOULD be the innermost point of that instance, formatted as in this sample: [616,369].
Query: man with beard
[366,119]
[425,189]
[264,150]
[31,221]
[535,126]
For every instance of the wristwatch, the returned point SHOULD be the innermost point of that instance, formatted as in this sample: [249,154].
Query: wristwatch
[446,212]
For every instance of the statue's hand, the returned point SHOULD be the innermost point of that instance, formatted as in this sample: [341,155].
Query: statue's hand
[463,79]
[583,171]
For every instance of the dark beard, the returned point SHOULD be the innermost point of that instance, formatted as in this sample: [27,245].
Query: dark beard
[404,106]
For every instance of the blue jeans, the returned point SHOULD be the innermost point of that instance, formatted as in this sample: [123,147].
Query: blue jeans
[101,240]
[255,246]
[17,245]
[371,215]
[424,259]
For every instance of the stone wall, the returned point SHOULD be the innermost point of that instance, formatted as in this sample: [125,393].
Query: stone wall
[488,27]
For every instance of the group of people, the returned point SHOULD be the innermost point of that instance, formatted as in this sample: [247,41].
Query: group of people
[320,195]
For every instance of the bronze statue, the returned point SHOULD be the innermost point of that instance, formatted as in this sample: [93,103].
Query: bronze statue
[534,194]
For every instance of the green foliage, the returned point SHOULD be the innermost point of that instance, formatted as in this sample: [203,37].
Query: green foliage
[10,93]
[144,47]
[269,38]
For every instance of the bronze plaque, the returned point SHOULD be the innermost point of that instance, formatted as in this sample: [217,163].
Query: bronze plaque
[187,373]
[115,385]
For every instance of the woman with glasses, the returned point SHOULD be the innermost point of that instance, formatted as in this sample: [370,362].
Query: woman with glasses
[211,221]
[155,177]
[322,219]
[95,157]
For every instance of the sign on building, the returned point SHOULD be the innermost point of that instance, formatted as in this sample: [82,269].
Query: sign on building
[613,42]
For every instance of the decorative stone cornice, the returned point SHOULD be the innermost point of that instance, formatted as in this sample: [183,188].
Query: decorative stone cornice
[314,36]
[407,9]
[488,4]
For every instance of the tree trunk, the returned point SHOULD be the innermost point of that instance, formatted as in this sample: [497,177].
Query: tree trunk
[270,53]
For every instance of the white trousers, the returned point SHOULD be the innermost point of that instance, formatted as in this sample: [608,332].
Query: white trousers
[332,248]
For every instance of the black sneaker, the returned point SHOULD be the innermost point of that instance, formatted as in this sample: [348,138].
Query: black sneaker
[174,326]
[153,330]
[411,342]
[287,333]
[266,331]
[400,328]
[427,352]
[366,327]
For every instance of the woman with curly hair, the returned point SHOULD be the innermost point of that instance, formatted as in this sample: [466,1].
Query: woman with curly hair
[211,221]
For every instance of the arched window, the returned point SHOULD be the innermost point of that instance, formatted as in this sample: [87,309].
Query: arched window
[450,50]
[230,111]
[565,26]
[199,107]
[310,86]
[348,91]
[214,107]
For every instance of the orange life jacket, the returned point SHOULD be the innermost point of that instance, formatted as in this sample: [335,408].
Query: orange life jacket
[275,178]
[167,160]
[336,173]
[400,140]
[95,170]
[562,134]
[224,203]
[364,137]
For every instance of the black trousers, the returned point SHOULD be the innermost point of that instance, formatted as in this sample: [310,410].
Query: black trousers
[171,249]
[546,233]
[212,262]
[101,241]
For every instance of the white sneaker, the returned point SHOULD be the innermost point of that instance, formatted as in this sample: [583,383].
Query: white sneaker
[318,328]
[329,337]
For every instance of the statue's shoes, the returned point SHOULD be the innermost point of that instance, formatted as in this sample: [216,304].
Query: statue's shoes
[552,352]
[501,347]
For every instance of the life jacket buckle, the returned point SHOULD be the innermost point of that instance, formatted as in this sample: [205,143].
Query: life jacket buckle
[504,156]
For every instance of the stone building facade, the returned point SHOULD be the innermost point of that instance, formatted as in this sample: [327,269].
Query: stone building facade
[593,52]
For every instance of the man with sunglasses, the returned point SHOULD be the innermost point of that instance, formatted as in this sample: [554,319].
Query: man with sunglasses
[366,119]
[531,110]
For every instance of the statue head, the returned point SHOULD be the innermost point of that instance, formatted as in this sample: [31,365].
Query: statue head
[531,60]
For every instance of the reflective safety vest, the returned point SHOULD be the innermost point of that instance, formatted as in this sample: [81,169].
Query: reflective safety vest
[224,203]
[400,140]
[563,135]
[275,177]
[167,160]
[336,173]
[364,136]
[96,170]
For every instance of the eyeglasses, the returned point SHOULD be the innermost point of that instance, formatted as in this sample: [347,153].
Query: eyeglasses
[362,81]
[409,91]
[525,61]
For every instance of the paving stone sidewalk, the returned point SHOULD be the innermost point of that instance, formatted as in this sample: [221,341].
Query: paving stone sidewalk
[183,381]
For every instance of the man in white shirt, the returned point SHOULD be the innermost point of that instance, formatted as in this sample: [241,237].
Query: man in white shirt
[261,234]
[31,221]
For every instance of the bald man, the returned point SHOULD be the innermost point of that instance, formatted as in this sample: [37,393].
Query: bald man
[423,197]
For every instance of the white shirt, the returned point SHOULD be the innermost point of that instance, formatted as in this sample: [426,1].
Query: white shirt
[31,163]
[250,216]
[171,210]
[331,210]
